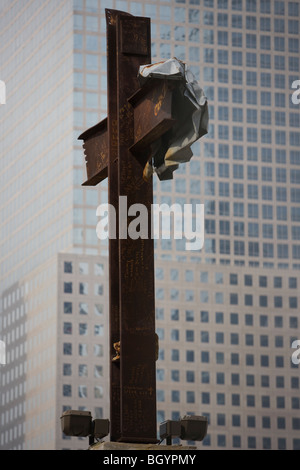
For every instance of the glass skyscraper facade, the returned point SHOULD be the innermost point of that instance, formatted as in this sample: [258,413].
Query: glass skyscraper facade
[226,316]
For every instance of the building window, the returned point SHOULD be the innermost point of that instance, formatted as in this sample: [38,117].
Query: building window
[175,355]
[279,361]
[67,329]
[190,356]
[205,398]
[160,395]
[67,307]
[293,302]
[98,412]
[68,288]
[264,341]
[295,403]
[82,350]
[82,391]
[98,391]
[264,361]
[249,359]
[67,349]
[98,350]
[263,301]
[281,443]
[204,316]
[190,397]
[220,378]
[280,402]
[175,375]
[236,442]
[280,382]
[205,377]
[82,370]
[68,267]
[219,337]
[219,317]
[98,330]
[263,320]
[67,390]
[250,400]
[98,289]
[205,356]
[83,329]
[249,319]
[204,336]
[190,376]
[98,371]
[221,440]
[83,288]
[235,359]
[235,379]
[249,341]
[98,309]
[236,420]
[189,335]
[221,419]
[250,381]
[220,398]
[234,338]
[67,369]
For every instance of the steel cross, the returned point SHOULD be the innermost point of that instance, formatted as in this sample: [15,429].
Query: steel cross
[117,148]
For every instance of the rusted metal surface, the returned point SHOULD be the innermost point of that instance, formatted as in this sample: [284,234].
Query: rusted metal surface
[96,153]
[113,198]
[131,262]
[153,115]
[135,36]
[136,257]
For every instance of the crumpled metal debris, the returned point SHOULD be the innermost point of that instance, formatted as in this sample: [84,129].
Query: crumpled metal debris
[191,114]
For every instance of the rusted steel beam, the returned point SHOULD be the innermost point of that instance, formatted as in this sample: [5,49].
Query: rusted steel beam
[153,115]
[131,262]
[136,257]
[113,198]
[96,153]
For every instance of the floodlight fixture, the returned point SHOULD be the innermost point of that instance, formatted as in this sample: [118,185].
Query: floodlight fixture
[169,429]
[81,424]
[76,423]
[188,428]
[193,428]
[100,428]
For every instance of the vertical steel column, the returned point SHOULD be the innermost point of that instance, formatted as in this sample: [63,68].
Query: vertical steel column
[136,257]
[131,262]
[113,198]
